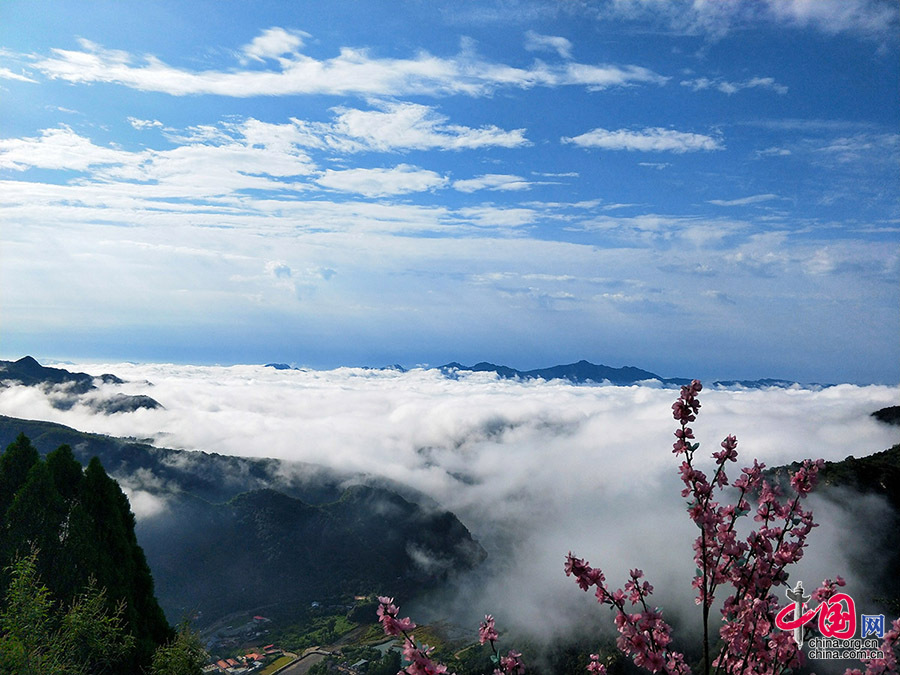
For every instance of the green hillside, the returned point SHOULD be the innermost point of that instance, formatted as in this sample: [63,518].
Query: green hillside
[235,534]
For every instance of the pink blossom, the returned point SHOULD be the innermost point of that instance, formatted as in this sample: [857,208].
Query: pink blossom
[753,565]
[512,663]
[595,666]
[486,632]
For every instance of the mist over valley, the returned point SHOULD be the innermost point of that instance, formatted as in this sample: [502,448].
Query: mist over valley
[471,486]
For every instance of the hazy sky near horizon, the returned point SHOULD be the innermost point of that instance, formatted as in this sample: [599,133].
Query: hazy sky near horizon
[696,188]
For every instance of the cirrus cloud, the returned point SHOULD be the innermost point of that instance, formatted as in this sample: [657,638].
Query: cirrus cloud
[536,42]
[352,71]
[398,180]
[650,139]
[869,18]
[492,181]
[7,74]
[730,88]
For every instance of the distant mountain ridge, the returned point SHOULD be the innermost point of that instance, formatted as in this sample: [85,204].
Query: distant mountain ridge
[68,388]
[583,372]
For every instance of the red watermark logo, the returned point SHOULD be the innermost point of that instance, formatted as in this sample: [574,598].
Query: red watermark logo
[837,626]
[837,616]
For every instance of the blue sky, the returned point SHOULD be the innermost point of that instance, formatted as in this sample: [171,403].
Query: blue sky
[700,189]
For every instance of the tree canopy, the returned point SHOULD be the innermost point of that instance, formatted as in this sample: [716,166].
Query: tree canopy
[73,529]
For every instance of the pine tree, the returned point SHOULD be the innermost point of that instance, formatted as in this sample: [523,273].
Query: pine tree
[35,517]
[81,525]
[15,464]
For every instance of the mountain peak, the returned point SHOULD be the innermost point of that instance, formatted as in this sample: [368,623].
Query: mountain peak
[27,361]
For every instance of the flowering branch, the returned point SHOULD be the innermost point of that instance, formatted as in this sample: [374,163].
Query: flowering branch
[753,566]
[419,657]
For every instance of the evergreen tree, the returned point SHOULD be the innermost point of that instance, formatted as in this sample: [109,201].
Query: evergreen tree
[66,570]
[106,544]
[15,464]
[83,527]
[35,517]
[66,472]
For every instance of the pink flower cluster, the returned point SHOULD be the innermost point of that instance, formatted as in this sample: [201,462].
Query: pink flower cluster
[595,666]
[419,657]
[828,589]
[486,631]
[387,616]
[753,566]
[643,635]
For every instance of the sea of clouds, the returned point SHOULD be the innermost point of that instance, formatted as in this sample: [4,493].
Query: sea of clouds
[534,469]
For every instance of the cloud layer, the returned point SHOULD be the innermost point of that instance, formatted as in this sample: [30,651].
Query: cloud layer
[534,469]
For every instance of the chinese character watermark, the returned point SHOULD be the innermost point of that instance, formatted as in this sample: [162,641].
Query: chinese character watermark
[871,625]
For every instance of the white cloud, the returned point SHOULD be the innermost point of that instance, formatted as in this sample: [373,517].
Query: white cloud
[278,269]
[408,126]
[353,71]
[492,181]
[597,78]
[158,206]
[140,124]
[274,43]
[743,201]
[491,216]
[88,250]
[651,139]
[718,296]
[557,174]
[211,162]
[392,127]
[144,504]
[398,180]
[861,147]
[870,18]
[733,87]
[536,42]
[7,74]
[200,170]
[59,148]
[773,152]
[654,227]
